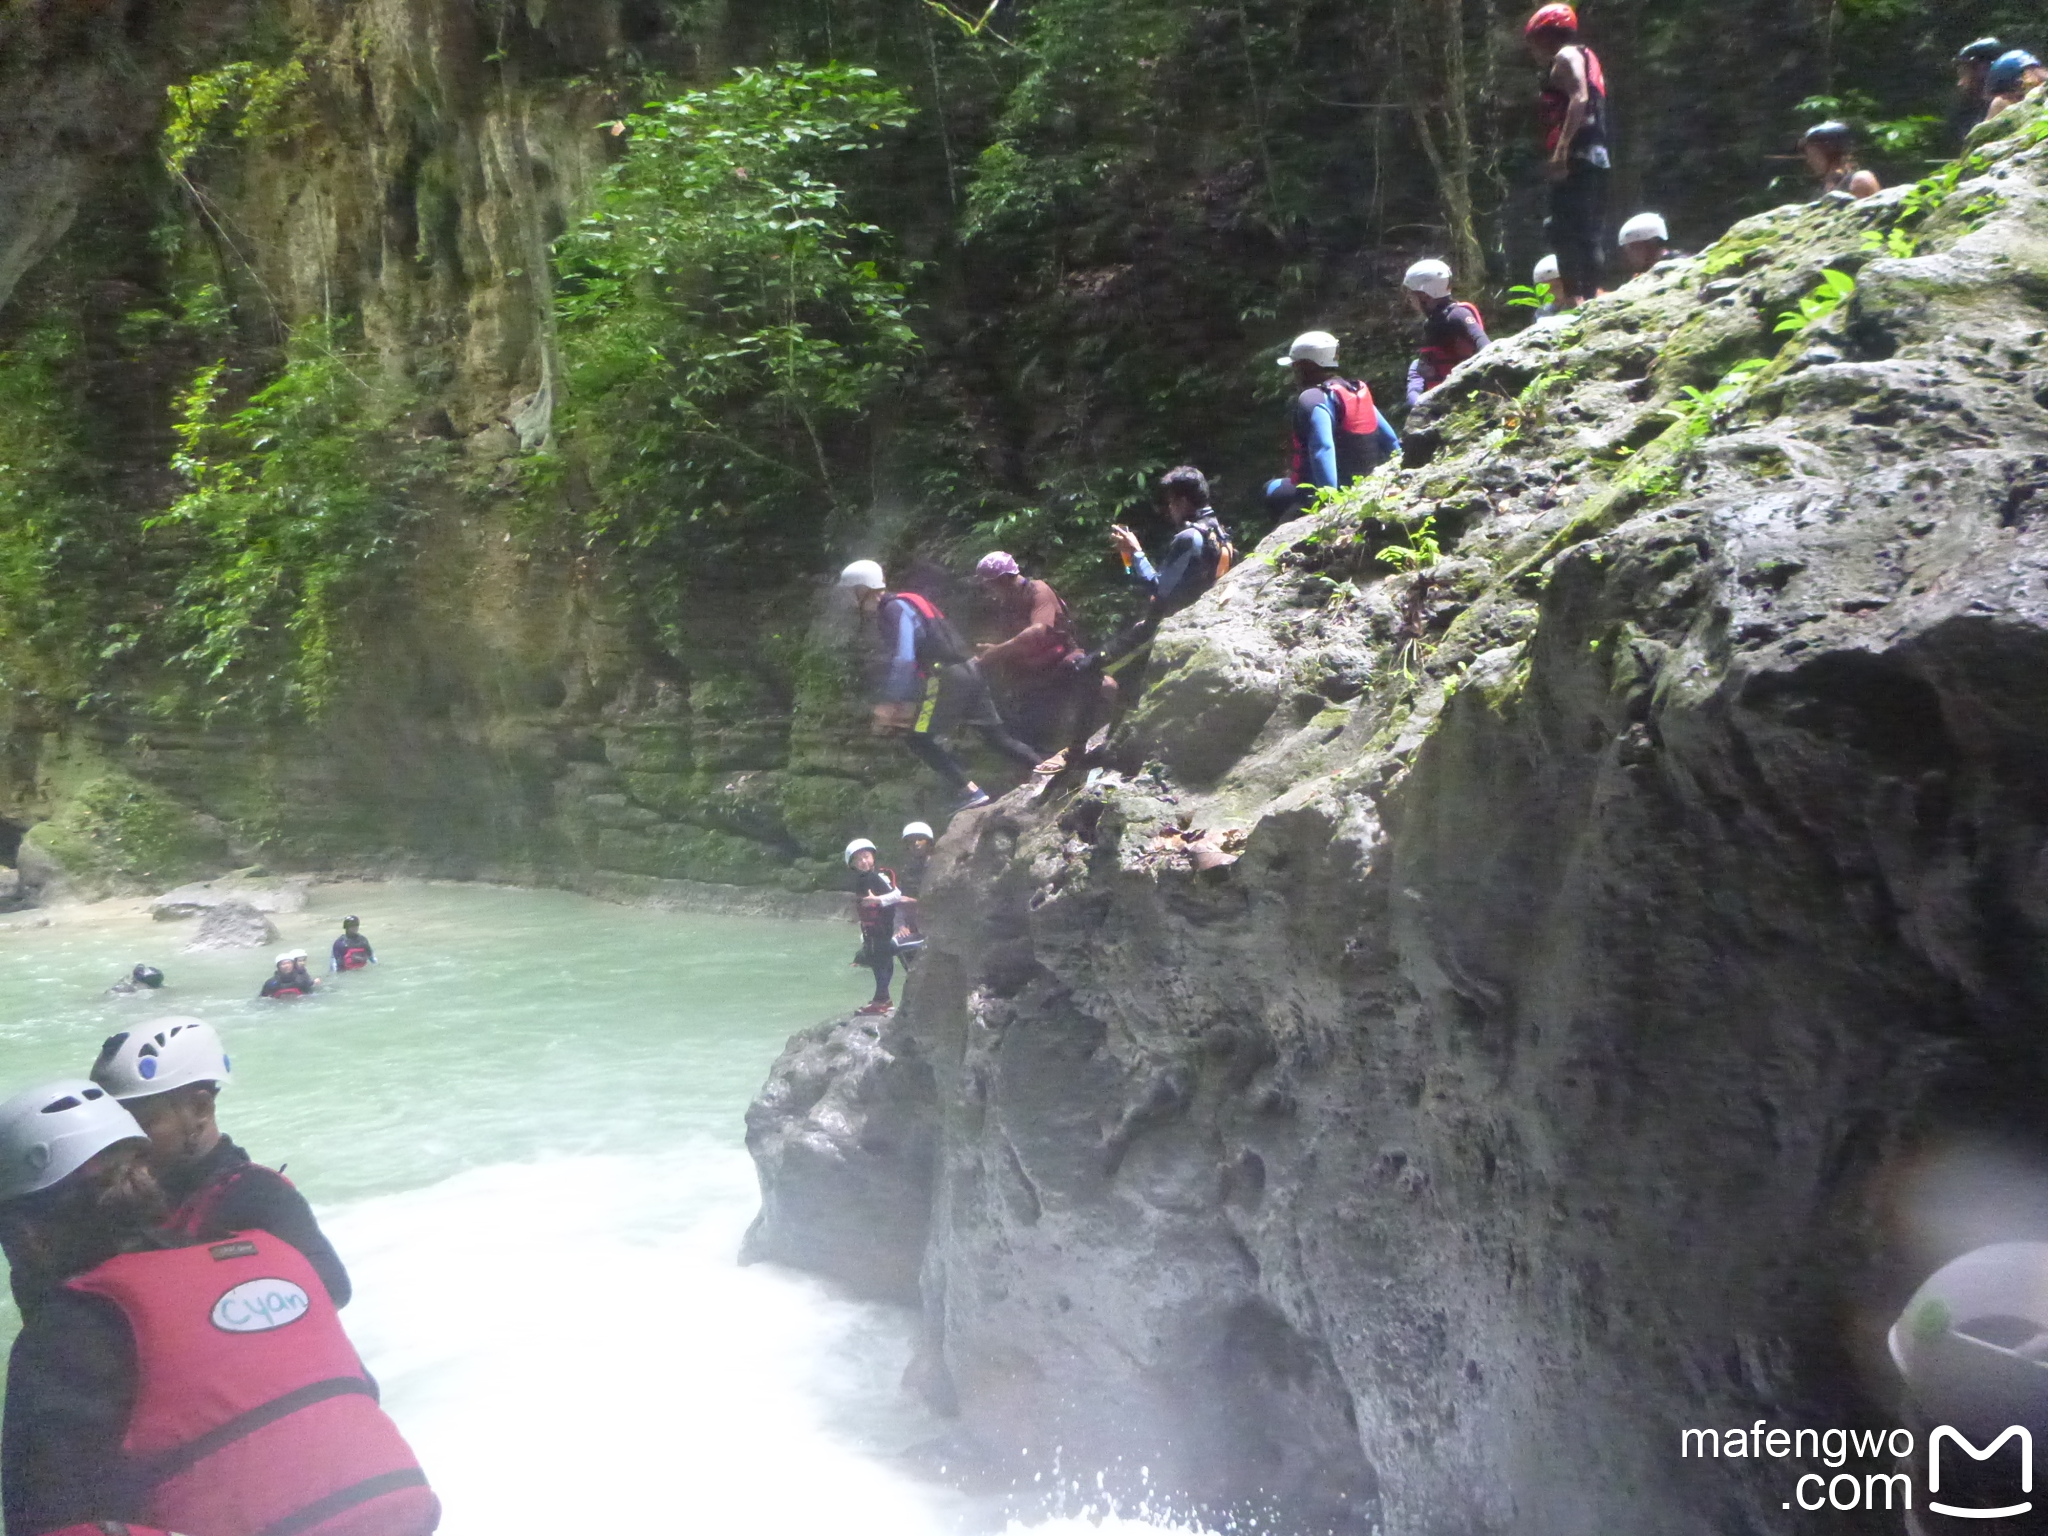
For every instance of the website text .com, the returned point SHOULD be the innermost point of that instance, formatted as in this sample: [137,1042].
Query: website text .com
[1841,1488]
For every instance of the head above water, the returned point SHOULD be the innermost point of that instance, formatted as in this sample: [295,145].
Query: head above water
[1187,492]
[147,976]
[285,962]
[350,924]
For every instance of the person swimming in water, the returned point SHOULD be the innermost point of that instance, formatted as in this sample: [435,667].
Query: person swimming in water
[142,980]
[289,980]
[351,951]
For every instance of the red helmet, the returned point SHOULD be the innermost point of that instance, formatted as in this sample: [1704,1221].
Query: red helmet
[1552,18]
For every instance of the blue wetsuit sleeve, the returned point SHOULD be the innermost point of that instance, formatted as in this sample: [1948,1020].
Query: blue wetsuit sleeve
[1181,556]
[1388,439]
[1322,444]
[1143,575]
[899,644]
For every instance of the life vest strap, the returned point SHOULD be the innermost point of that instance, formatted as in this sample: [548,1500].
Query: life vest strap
[344,1499]
[162,1468]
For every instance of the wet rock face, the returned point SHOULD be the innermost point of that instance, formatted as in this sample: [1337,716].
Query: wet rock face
[843,1135]
[1633,906]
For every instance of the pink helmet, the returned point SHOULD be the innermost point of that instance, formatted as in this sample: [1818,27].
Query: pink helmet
[995,564]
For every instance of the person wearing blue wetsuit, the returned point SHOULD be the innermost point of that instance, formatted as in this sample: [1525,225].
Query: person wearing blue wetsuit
[351,951]
[929,683]
[1199,553]
[1336,432]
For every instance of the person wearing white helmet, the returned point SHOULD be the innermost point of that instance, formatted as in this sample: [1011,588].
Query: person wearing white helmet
[1452,330]
[169,1073]
[1971,1347]
[1645,241]
[918,841]
[171,1385]
[888,922]
[1545,280]
[1336,432]
[929,683]
[287,980]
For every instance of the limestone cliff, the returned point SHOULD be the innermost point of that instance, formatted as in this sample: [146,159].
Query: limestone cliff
[1643,883]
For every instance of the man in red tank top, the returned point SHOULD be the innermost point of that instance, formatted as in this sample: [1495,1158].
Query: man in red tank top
[1572,112]
[199,1387]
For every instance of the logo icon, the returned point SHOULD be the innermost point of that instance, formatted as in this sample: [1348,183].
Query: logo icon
[257,1306]
[2026,1471]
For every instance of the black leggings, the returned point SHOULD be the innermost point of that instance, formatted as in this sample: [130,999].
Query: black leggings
[1578,228]
[878,954]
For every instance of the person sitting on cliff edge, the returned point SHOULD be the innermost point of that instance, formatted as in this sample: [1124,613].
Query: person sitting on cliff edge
[929,683]
[168,1074]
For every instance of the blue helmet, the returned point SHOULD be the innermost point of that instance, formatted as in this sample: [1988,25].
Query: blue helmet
[2009,72]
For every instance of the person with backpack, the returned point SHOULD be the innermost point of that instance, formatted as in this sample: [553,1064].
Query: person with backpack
[1578,160]
[1452,330]
[1048,701]
[168,1074]
[202,1385]
[929,683]
[1336,433]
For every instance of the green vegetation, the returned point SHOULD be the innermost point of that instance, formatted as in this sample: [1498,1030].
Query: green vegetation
[1835,290]
[243,100]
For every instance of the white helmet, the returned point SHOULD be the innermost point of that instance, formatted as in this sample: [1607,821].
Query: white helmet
[1430,276]
[1645,226]
[159,1056]
[285,959]
[919,829]
[1318,347]
[298,954]
[1547,271]
[49,1133]
[859,845]
[864,573]
[1978,1327]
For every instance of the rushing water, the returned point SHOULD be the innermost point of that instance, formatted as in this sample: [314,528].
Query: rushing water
[522,1130]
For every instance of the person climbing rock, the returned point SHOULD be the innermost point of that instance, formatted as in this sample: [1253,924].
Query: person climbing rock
[1572,112]
[205,1387]
[1645,241]
[140,982]
[2011,78]
[287,981]
[1049,701]
[1199,555]
[1973,90]
[351,950]
[1336,433]
[168,1074]
[918,841]
[888,922]
[929,684]
[1452,330]
[1830,151]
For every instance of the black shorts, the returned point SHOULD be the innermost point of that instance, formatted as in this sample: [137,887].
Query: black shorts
[955,696]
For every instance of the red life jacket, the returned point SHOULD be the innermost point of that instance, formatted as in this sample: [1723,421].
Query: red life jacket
[1355,424]
[939,645]
[1553,106]
[875,917]
[1444,344]
[194,1218]
[253,1415]
[285,992]
[354,959]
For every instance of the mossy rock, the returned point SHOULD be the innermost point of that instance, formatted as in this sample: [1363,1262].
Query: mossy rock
[673,852]
[118,835]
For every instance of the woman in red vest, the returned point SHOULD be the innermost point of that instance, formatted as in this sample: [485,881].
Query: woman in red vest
[204,1387]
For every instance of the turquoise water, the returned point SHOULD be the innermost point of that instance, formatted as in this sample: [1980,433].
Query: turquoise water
[523,1132]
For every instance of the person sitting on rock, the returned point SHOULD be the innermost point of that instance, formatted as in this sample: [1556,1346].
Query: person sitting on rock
[351,951]
[205,1387]
[288,981]
[1026,663]
[1645,241]
[918,841]
[2011,79]
[1336,434]
[1200,554]
[929,683]
[139,982]
[1830,151]
[888,919]
[1452,330]
[168,1074]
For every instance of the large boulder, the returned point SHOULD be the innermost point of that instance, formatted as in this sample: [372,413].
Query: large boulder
[204,896]
[233,925]
[843,1137]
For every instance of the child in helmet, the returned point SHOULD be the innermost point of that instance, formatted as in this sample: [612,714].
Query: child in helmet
[887,922]
[167,1074]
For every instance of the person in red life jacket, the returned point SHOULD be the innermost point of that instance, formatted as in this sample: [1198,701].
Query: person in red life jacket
[168,1074]
[1336,433]
[1578,160]
[286,981]
[201,1387]
[888,922]
[351,951]
[1050,701]
[1830,151]
[929,684]
[1452,330]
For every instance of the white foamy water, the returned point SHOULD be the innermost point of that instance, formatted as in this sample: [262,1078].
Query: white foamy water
[524,1132]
